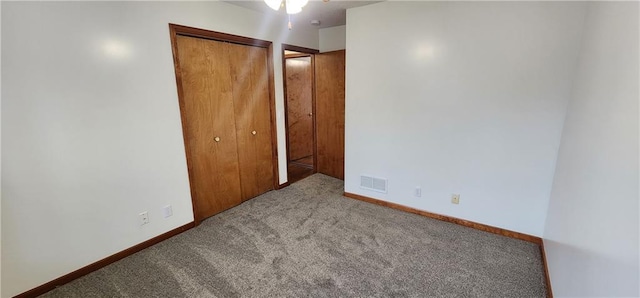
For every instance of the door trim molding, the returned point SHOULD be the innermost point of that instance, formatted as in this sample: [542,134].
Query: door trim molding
[213,35]
[174,31]
[298,49]
[311,53]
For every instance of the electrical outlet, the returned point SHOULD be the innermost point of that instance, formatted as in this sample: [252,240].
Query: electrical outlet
[167,211]
[455,199]
[418,192]
[143,218]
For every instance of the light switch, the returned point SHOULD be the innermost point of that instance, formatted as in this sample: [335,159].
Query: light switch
[167,211]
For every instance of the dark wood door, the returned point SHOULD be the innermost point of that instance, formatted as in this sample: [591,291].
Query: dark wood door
[330,73]
[300,130]
[249,75]
[208,119]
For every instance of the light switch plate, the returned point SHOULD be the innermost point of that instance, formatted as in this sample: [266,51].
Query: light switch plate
[167,211]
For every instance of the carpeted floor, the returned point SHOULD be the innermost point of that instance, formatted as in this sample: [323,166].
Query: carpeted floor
[306,240]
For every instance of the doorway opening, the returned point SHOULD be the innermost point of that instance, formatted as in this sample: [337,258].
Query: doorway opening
[300,121]
[314,111]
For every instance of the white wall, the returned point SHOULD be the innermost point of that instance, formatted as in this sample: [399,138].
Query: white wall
[460,97]
[592,229]
[333,38]
[91,132]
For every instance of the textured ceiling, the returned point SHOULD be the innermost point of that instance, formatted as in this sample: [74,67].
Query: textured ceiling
[330,14]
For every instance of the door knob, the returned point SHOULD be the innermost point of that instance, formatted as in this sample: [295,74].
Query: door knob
[217,139]
[310,114]
[254,132]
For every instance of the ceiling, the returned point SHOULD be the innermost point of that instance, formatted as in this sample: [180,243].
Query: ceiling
[330,14]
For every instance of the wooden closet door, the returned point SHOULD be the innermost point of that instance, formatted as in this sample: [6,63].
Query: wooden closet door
[207,117]
[250,80]
[299,82]
[330,112]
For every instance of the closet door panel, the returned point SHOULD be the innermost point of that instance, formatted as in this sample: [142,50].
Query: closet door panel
[330,97]
[262,121]
[208,116]
[252,116]
[243,98]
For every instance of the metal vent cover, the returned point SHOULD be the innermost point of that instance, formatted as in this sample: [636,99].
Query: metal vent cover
[373,183]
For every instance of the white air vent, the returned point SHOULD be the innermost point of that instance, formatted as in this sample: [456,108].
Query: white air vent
[372,183]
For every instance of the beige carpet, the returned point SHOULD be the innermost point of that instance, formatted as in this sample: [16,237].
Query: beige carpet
[306,240]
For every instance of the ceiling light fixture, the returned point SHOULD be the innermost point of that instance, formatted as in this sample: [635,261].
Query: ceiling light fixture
[291,6]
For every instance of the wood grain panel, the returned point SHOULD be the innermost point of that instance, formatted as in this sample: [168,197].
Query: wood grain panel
[330,80]
[462,222]
[243,98]
[188,127]
[208,113]
[299,83]
[252,113]
[262,121]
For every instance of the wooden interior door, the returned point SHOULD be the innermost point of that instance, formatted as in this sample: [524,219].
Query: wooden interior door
[300,128]
[207,108]
[330,74]
[249,75]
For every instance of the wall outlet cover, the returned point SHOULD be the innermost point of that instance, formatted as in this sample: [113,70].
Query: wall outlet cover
[143,218]
[455,199]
